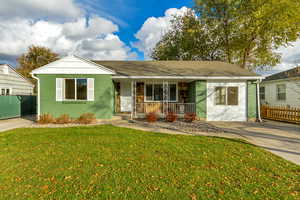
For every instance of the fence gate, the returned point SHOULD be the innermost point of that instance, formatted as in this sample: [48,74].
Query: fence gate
[17,106]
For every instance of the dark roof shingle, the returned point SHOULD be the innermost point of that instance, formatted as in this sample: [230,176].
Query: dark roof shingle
[292,73]
[175,68]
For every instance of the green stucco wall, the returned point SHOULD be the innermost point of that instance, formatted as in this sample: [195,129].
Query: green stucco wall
[102,106]
[251,100]
[200,98]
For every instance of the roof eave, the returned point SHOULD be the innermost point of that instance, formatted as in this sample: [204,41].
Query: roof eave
[192,77]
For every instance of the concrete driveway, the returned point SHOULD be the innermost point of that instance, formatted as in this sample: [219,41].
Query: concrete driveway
[282,139]
[13,123]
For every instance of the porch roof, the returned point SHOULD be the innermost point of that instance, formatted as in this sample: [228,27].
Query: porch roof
[176,69]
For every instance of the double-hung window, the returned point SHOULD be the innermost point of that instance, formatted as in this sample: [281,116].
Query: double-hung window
[281,92]
[155,92]
[75,89]
[227,96]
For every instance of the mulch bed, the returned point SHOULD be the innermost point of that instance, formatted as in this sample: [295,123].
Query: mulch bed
[183,126]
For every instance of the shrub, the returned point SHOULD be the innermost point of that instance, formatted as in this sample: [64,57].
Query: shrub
[189,117]
[63,119]
[171,117]
[151,117]
[86,118]
[46,119]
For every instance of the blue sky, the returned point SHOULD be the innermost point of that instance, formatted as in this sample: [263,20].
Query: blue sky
[131,14]
[96,29]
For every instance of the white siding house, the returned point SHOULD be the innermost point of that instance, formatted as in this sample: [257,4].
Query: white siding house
[282,89]
[12,83]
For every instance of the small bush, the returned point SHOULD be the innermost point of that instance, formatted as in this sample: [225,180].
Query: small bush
[63,119]
[171,117]
[87,118]
[189,117]
[46,119]
[151,117]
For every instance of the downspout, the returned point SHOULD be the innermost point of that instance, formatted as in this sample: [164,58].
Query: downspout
[258,99]
[38,95]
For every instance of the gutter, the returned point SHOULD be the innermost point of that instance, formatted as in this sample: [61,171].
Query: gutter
[258,99]
[38,95]
[192,77]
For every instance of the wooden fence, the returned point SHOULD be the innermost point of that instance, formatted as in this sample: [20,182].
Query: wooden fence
[281,113]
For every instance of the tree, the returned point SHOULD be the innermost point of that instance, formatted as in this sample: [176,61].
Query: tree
[188,39]
[253,30]
[245,32]
[35,57]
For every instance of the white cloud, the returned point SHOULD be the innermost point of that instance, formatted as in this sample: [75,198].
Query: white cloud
[154,28]
[97,40]
[50,9]
[290,59]
[78,29]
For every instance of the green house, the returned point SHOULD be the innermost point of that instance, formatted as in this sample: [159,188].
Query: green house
[214,91]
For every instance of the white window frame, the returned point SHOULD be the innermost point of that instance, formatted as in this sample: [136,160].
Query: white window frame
[64,89]
[159,83]
[226,96]
[277,92]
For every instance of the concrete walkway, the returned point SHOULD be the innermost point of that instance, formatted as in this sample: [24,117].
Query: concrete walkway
[9,124]
[282,139]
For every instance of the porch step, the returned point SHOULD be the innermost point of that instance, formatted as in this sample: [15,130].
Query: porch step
[114,118]
[123,116]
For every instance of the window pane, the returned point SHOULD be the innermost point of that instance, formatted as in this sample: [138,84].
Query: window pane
[149,95]
[2,91]
[281,92]
[158,92]
[172,89]
[232,95]
[81,89]
[7,92]
[70,88]
[220,95]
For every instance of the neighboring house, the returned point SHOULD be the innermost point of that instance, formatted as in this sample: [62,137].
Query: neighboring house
[13,83]
[282,89]
[215,91]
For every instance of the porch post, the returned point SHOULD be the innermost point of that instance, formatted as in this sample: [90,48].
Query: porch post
[165,96]
[133,99]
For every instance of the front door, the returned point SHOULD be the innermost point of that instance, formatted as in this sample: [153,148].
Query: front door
[125,96]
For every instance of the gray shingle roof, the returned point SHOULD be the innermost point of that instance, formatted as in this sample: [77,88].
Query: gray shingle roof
[292,73]
[175,68]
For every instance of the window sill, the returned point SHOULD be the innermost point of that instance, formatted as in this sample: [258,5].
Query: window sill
[74,101]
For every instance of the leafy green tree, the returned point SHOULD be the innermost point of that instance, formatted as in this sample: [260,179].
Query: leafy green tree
[35,57]
[244,32]
[252,30]
[188,39]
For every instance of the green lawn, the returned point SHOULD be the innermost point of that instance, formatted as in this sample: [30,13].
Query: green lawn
[106,162]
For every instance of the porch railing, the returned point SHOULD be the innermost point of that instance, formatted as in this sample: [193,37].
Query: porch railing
[161,108]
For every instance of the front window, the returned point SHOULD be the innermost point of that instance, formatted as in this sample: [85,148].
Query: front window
[281,92]
[76,89]
[227,96]
[155,92]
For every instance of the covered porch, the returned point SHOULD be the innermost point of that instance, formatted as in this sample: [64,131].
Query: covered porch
[139,97]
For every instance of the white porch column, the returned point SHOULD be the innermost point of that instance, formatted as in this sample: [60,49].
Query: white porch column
[133,99]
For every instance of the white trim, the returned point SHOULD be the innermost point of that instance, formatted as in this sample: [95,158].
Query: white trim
[37,71]
[38,96]
[192,77]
